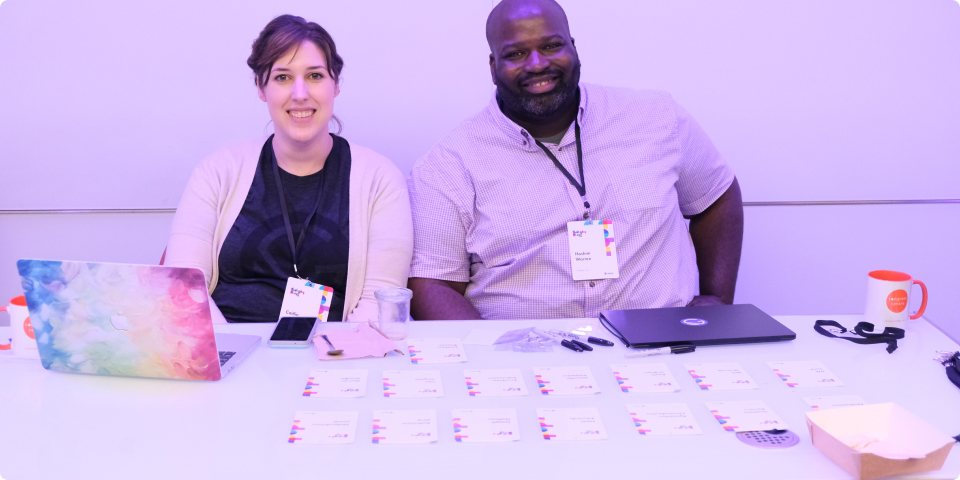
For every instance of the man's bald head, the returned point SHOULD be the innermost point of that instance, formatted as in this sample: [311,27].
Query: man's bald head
[509,11]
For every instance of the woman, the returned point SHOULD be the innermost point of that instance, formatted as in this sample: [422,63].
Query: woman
[303,203]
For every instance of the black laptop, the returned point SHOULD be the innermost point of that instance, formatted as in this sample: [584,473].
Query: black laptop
[713,325]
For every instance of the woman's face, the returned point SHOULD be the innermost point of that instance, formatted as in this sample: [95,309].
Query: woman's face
[299,93]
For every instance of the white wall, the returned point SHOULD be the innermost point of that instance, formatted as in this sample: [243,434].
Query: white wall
[110,104]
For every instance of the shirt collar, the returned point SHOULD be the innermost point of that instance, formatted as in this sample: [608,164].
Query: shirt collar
[523,139]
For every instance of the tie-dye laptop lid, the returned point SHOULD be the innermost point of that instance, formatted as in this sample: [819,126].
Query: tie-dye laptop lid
[118,319]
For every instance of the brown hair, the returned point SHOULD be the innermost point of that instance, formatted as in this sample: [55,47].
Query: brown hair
[286,32]
[282,34]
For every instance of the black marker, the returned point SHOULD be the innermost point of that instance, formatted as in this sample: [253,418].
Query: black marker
[600,341]
[582,345]
[571,345]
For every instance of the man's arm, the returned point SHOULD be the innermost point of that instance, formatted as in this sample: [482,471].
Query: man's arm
[440,300]
[717,234]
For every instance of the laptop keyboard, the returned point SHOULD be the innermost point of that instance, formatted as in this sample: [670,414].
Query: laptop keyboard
[224,356]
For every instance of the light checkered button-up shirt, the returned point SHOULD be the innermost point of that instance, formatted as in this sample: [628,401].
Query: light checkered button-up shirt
[491,209]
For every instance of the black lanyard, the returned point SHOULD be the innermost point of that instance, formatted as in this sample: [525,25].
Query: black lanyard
[286,215]
[582,186]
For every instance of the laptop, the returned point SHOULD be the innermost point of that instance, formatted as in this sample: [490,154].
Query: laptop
[709,325]
[127,320]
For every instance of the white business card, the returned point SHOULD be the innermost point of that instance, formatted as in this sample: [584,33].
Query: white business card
[805,374]
[571,424]
[404,426]
[720,376]
[436,350]
[412,383]
[485,425]
[834,401]
[323,428]
[336,383]
[566,381]
[746,416]
[495,383]
[663,419]
[644,378]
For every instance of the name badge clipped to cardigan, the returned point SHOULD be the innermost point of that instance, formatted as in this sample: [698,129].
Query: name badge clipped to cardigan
[303,298]
[593,251]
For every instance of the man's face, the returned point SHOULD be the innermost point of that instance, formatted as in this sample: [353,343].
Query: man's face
[535,66]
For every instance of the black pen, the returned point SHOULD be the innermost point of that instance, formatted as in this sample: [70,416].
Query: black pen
[571,345]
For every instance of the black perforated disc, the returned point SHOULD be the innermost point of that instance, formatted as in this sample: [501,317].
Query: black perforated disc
[769,438]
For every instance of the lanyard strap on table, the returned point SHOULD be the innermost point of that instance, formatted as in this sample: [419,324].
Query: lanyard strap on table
[582,186]
[889,336]
[286,214]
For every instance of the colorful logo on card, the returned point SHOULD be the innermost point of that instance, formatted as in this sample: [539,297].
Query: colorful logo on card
[785,378]
[293,432]
[308,390]
[472,387]
[543,385]
[579,233]
[296,292]
[699,380]
[622,382]
[723,421]
[386,388]
[639,424]
[458,429]
[414,359]
[608,235]
[325,302]
[377,431]
[545,429]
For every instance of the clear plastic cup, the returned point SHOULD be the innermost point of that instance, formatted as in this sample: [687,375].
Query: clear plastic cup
[394,306]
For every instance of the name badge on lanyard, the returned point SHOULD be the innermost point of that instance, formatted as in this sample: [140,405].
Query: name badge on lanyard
[302,298]
[593,251]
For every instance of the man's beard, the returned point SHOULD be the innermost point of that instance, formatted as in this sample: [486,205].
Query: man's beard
[526,106]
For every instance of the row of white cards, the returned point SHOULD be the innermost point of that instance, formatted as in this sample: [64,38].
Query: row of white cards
[631,378]
[501,425]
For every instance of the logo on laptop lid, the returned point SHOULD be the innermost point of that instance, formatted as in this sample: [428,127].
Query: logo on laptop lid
[693,322]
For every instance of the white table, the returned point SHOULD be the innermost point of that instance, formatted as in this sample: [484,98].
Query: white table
[55,425]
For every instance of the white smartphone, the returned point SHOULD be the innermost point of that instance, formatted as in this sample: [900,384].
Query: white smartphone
[293,332]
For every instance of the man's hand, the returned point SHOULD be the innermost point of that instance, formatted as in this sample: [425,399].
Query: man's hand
[705,300]
[440,300]
[717,235]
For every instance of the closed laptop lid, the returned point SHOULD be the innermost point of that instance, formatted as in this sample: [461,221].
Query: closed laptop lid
[707,325]
[119,319]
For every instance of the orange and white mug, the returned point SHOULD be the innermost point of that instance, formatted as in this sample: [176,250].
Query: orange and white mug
[888,299]
[22,339]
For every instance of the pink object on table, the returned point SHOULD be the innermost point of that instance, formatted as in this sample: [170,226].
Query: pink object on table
[361,341]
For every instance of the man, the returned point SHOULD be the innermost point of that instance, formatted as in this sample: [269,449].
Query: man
[492,201]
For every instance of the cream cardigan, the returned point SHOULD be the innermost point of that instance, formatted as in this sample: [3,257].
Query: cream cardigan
[381,231]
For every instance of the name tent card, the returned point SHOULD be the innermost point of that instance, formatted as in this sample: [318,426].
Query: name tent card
[495,383]
[805,374]
[746,416]
[323,428]
[412,383]
[566,381]
[834,401]
[436,350]
[571,424]
[663,419]
[404,426]
[336,383]
[644,378]
[485,425]
[720,376]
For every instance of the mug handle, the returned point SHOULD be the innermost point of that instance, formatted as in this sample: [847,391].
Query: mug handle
[923,303]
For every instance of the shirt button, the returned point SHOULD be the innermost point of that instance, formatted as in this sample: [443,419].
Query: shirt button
[593,284]
[560,149]
[586,215]
[524,142]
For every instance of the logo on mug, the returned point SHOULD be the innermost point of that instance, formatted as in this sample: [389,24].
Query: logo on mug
[897,301]
[693,322]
